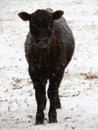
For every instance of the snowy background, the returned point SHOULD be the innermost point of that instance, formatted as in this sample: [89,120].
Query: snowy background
[79,87]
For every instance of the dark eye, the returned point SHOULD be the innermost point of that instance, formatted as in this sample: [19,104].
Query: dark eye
[34,25]
[50,27]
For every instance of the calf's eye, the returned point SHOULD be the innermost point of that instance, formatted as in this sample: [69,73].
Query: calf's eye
[50,27]
[34,25]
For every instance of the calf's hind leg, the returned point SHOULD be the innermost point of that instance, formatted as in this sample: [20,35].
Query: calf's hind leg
[58,103]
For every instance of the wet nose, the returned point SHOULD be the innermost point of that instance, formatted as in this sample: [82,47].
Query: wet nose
[42,40]
[45,39]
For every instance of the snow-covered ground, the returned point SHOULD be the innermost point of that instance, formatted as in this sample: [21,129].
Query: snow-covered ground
[79,87]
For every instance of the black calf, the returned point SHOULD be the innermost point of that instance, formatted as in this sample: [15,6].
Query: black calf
[49,48]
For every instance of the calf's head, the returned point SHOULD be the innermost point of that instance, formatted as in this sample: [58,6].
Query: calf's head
[41,25]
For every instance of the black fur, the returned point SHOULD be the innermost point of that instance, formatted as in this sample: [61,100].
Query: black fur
[49,48]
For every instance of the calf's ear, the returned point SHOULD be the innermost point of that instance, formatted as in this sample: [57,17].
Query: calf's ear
[24,16]
[57,14]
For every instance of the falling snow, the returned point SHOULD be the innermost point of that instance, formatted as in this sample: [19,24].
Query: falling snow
[79,87]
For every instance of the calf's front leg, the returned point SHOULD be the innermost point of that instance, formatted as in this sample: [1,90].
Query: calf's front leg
[40,95]
[54,96]
[40,98]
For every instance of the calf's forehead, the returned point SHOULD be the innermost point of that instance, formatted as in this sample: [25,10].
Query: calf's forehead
[41,16]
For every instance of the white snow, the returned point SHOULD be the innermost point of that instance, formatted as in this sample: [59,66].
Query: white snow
[79,87]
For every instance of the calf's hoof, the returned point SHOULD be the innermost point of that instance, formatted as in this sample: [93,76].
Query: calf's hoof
[52,120]
[39,118]
[39,122]
[52,116]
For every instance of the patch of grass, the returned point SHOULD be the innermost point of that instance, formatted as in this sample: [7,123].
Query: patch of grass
[89,75]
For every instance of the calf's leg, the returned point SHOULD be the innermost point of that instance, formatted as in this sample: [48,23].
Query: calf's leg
[40,95]
[41,101]
[54,96]
[58,104]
